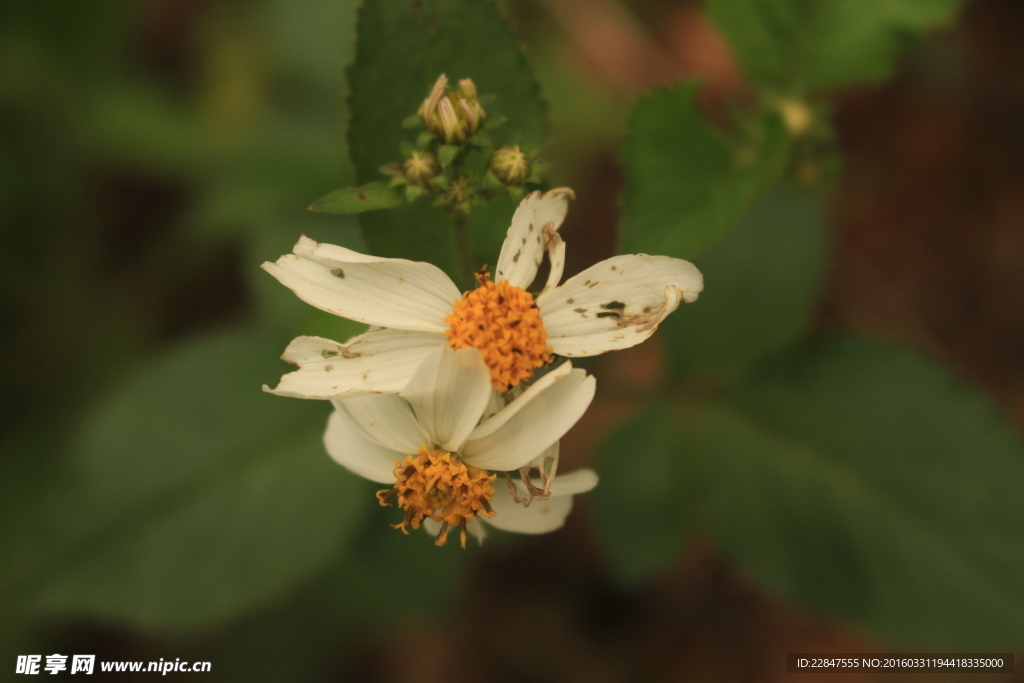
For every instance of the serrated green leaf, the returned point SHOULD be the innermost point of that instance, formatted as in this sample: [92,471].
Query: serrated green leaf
[193,496]
[686,185]
[864,480]
[763,283]
[645,505]
[369,197]
[402,48]
[790,44]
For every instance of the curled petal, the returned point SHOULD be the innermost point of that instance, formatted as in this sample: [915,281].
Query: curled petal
[616,303]
[523,249]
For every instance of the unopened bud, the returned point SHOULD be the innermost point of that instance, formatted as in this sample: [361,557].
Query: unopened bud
[452,115]
[459,195]
[420,167]
[510,164]
[468,88]
[796,115]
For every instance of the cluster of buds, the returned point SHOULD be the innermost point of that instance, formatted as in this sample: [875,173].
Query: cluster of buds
[439,164]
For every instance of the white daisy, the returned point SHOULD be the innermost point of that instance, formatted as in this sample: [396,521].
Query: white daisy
[612,305]
[430,443]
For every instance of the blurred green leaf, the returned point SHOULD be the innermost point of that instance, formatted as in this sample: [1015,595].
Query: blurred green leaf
[645,505]
[369,197]
[862,479]
[788,44]
[192,496]
[763,282]
[686,184]
[402,48]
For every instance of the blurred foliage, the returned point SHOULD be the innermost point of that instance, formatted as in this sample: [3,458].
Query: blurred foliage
[767,278]
[649,511]
[792,45]
[146,481]
[686,183]
[853,477]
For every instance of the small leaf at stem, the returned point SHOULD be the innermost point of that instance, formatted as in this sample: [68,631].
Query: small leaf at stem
[447,154]
[369,197]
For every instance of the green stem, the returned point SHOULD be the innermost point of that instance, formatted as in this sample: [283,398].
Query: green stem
[464,248]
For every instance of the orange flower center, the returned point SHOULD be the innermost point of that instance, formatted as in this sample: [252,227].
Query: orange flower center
[438,485]
[503,322]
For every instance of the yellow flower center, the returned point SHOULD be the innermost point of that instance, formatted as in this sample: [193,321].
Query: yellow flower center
[503,322]
[438,485]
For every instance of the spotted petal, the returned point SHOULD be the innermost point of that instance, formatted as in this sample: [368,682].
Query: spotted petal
[541,516]
[349,447]
[408,295]
[385,419]
[538,217]
[520,431]
[449,392]
[616,303]
[381,361]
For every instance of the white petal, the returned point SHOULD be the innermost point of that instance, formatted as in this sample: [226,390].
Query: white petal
[347,445]
[523,249]
[386,420]
[381,361]
[532,422]
[578,481]
[616,303]
[409,295]
[449,392]
[556,257]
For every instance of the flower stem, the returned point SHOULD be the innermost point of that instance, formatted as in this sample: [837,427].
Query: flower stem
[464,248]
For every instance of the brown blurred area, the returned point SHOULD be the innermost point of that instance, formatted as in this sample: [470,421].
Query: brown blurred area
[928,248]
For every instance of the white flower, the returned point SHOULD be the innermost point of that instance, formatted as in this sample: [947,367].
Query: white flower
[429,442]
[612,305]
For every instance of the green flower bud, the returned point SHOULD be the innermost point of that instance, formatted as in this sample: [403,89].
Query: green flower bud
[460,194]
[510,164]
[420,167]
[452,115]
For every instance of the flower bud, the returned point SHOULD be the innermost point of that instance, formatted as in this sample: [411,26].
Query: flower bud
[510,164]
[797,116]
[460,194]
[452,115]
[420,167]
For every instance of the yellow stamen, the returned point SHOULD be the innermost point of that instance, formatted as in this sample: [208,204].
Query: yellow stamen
[438,485]
[503,322]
